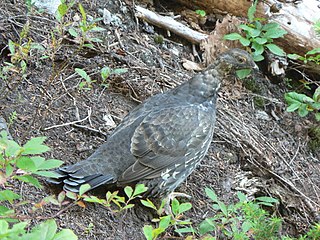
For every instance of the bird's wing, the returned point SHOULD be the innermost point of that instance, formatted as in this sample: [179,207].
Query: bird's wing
[167,137]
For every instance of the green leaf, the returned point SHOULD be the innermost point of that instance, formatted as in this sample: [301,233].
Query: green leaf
[62,10]
[316,95]
[26,163]
[269,26]
[45,230]
[202,13]
[83,13]
[211,194]
[29,179]
[275,49]
[83,74]
[257,57]
[164,222]
[295,56]
[293,107]
[8,195]
[303,111]
[4,226]
[65,234]
[84,188]
[243,73]
[223,208]
[96,40]
[98,29]
[119,71]
[252,10]
[293,97]
[47,174]
[313,51]
[11,46]
[242,197]
[185,230]
[147,231]
[255,33]
[35,146]
[246,226]
[73,32]
[232,36]
[148,204]
[267,199]
[9,170]
[184,207]
[128,190]
[4,211]
[71,195]
[317,115]
[88,45]
[259,49]
[175,206]
[139,188]
[37,160]
[206,226]
[12,148]
[246,28]
[128,206]
[274,33]
[49,164]
[245,42]
[105,72]
[37,46]
[261,41]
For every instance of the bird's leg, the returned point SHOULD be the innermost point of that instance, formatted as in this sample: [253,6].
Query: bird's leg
[167,206]
[168,200]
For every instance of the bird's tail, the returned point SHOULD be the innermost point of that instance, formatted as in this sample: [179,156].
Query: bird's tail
[72,177]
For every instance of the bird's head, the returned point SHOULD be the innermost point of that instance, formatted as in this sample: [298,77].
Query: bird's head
[207,83]
[235,59]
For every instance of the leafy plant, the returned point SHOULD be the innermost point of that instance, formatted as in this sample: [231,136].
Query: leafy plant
[21,162]
[164,222]
[12,118]
[82,33]
[20,52]
[106,72]
[112,199]
[202,13]
[311,56]
[304,104]
[258,36]
[243,220]
[44,231]
[87,84]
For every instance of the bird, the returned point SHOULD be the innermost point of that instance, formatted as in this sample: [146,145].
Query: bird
[162,140]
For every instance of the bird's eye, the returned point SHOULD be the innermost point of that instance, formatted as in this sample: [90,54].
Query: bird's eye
[241,59]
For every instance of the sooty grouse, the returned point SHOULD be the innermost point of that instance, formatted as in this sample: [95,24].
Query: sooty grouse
[161,141]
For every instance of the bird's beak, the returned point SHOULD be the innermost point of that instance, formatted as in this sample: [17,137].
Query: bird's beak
[255,69]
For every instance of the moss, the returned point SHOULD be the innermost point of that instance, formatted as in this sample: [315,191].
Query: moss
[314,134]
[259,102]
[158,39]
[251,85]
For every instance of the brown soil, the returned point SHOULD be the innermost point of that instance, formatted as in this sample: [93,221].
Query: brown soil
[258,147]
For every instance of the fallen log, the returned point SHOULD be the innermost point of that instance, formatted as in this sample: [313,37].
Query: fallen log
[296,17]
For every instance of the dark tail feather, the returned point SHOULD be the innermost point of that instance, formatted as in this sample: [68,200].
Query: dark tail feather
[73,180]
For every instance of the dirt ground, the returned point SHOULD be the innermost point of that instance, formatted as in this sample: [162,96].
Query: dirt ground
[257,148]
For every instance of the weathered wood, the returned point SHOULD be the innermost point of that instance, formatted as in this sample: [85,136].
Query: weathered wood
[170,24]
[296,18]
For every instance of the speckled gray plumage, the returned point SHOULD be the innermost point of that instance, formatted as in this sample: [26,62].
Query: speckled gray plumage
[162,140]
